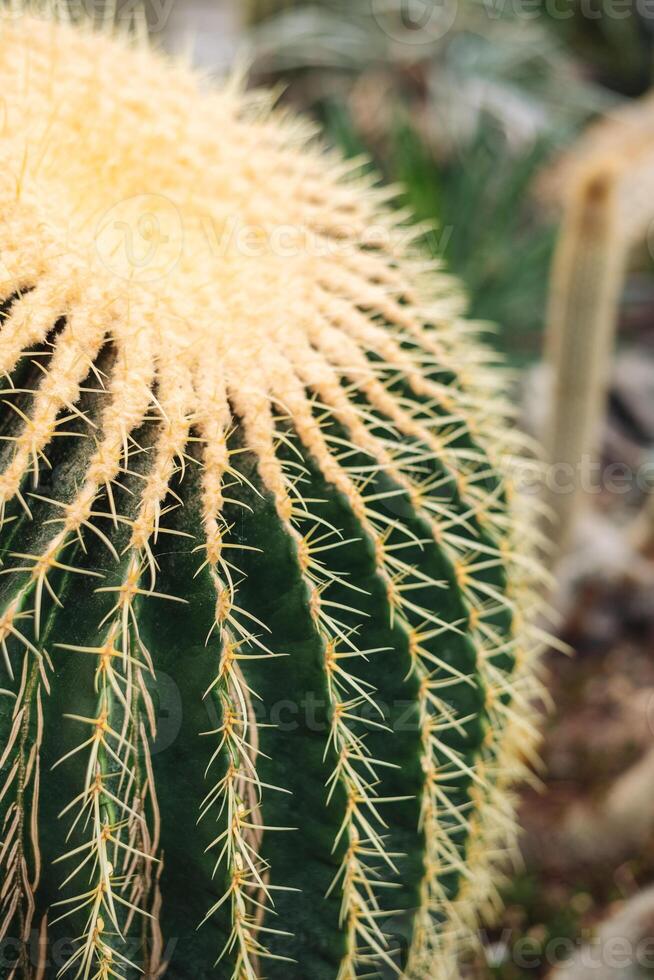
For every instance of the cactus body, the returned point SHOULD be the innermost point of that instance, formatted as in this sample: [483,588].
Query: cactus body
[265,589]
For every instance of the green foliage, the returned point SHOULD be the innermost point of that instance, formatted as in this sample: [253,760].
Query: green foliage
[487,229]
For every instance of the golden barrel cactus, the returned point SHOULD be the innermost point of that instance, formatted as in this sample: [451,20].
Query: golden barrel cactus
[266,587]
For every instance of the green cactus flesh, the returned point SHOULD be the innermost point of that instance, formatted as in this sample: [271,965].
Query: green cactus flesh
[266,588]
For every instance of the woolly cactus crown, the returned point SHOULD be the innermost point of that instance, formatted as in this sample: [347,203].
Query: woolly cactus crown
[253,484]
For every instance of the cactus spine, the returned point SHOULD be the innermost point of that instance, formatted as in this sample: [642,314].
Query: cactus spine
[266,589]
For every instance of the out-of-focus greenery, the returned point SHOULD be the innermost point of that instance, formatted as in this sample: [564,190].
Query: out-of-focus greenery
[490,235]
[480,56]
[465,120]
[613,39]
[488,231]
[259,10]
[537,930]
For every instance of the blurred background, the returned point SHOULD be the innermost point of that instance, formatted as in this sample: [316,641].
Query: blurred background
[523,130]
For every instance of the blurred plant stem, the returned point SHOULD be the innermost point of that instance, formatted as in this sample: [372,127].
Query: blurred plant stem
[608,186]
[641,532]
[586,278]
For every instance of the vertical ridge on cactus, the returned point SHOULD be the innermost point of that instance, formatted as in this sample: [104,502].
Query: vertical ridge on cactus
[267,594]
